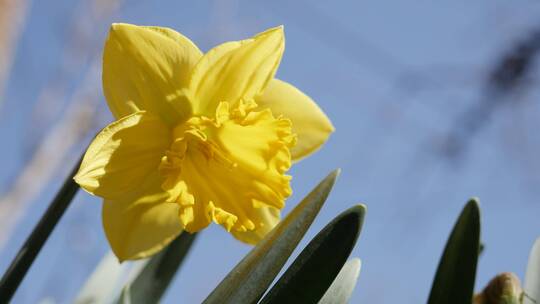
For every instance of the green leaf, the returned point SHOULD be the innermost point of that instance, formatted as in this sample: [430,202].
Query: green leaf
[34,243]
[341,289]
[107,279]
[251,277]
[155,277]
[454,280]
[532,276]
[314,270]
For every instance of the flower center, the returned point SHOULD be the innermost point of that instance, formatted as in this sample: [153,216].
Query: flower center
[192,136]
[229,169]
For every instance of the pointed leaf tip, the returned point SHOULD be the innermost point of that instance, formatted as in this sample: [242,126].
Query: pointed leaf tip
[362,208]
[474,201]
[250,278]
[320,262]
[455,276]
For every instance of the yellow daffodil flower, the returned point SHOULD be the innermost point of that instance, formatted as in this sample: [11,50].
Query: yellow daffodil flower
[198,138]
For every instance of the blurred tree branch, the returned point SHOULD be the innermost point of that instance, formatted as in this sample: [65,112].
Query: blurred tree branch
[50,155]
[53,147]
[12,16]
[508,76]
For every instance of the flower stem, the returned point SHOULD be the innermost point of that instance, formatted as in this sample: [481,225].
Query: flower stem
[33,244]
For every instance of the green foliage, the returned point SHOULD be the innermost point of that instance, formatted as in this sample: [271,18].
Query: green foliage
[34,243]
[108,277]
[320,262]
[157,274]
[341,289]
[251,277]
[318,275]
[454,280]
[532,276]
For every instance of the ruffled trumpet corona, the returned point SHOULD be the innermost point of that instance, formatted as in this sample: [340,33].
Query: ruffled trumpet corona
[198,138]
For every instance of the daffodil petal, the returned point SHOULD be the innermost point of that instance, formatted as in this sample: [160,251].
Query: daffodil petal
[142,223]
[268,217]
[123,154]
[309,122]
[235,70]
[146,68]
[231,171]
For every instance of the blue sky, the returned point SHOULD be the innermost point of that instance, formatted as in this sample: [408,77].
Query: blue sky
[394,78]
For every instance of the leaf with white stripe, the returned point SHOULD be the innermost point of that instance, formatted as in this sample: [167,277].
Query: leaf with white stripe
[341,289]
[532,276]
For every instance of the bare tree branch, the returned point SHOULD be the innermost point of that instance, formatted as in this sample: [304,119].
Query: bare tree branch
[12,16]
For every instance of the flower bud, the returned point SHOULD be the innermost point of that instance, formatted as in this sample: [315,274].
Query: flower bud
[505,288]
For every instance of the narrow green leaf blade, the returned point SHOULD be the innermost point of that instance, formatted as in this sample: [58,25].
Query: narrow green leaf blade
[341,289]
[251,277]
[532,275]
[155,277]
[454,280]
[34,243]
[314,270]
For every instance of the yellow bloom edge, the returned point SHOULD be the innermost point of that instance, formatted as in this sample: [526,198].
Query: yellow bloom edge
[198,138]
